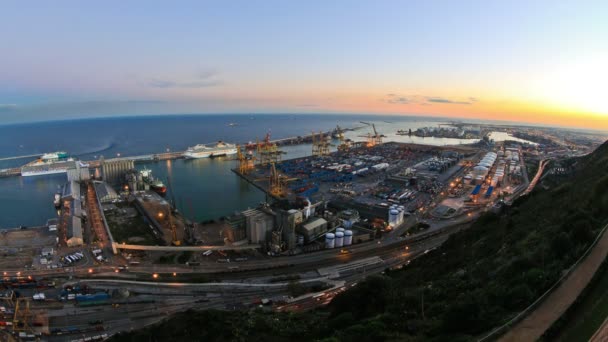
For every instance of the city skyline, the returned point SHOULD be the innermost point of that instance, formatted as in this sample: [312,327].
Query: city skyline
[530,62]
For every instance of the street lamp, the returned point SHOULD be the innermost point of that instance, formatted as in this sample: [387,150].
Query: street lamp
[155,276]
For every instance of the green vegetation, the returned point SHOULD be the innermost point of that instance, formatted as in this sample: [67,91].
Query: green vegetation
[587,314]
[479,279]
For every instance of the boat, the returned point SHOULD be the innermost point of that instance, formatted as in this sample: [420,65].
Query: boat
[204,151]
[155,184]
[50,163]
[403,132]
[54,156]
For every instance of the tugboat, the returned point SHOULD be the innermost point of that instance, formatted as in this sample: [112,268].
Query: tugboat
[156,185]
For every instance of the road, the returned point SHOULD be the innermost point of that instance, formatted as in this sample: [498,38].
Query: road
[559,300]
[541,168]
[175,297]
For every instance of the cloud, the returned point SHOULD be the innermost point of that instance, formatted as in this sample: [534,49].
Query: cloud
[446,101]
[425,100]
[203,79]
[398,99]
[6,107]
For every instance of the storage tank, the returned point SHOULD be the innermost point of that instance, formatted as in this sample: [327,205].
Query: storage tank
[339,240]
[330,240]
[393,216]
[340,230]
[348,237]
[300,240]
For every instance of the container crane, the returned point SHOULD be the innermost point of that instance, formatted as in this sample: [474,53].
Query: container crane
[320,145]
[276,182]
[267,151]
[246,162]
[344,144]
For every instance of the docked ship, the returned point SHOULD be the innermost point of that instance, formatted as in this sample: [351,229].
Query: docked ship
[155,184]
[204,151]
[50,163]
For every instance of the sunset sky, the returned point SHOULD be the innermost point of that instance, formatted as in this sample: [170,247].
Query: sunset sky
[525,61]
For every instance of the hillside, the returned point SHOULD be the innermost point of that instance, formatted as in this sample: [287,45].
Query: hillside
[480,277]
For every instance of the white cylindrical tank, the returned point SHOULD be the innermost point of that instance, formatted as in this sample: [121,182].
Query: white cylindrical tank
[330,239]
[340,230]
[339,239]
[300,240]
[348,237]
[393,216]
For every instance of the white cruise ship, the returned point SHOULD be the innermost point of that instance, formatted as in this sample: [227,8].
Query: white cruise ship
[204,151]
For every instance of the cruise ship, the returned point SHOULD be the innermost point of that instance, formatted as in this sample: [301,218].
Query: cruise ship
[50,163]
[204,151]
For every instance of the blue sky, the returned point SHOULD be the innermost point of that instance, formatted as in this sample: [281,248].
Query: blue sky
[75,59]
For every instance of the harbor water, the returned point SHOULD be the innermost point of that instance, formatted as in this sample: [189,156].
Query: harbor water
[203,189]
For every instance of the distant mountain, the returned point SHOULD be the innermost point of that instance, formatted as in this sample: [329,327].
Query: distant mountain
[478,279]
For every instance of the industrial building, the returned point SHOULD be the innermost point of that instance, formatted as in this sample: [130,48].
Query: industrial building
[113,172]
[314,228]
[105,192]
[258,225]
[79,174]
[288,222]
[235,228]
[71,190]
[74,233]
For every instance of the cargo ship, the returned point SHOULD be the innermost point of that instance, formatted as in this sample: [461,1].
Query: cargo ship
[155,184]
[204,151]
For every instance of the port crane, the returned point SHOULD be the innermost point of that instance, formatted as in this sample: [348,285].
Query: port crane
[267,151]
[344,144]
[373,140]
[320,145]
[246,161]
[277,183]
